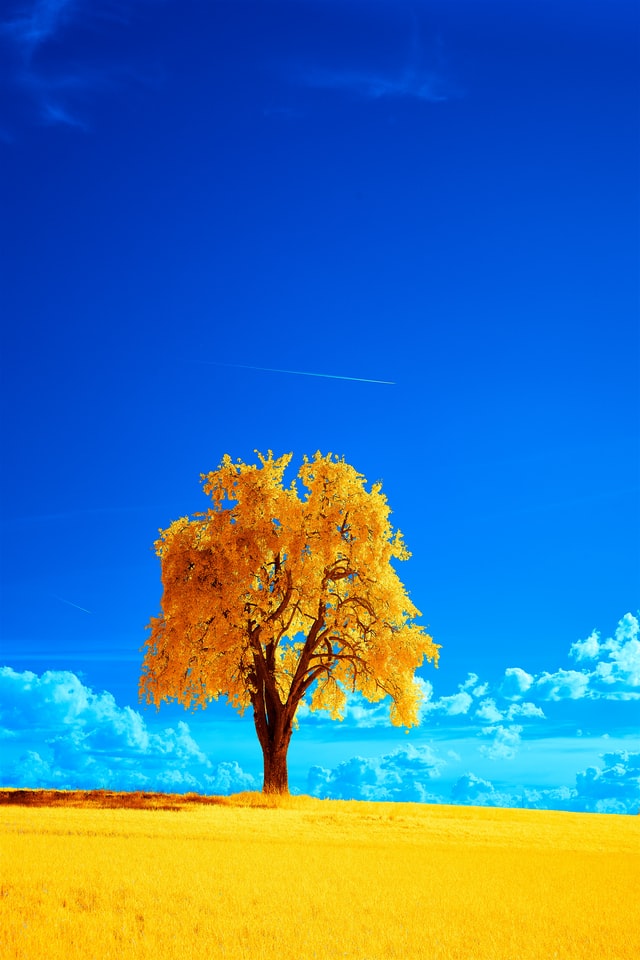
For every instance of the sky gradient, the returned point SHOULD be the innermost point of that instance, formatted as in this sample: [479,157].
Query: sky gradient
[403,232]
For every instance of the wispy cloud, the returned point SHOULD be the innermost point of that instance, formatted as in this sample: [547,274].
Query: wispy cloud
[54,72]
[62,92]
[35,23]
[421,74]
[54,114]
[374,85]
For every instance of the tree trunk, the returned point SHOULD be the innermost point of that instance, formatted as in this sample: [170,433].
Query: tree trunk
[274,730]
[276,777]
[273,721]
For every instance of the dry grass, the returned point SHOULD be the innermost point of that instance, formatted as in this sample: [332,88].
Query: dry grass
[109,876]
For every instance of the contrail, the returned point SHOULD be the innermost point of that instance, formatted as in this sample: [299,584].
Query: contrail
[71,604]
[297,373]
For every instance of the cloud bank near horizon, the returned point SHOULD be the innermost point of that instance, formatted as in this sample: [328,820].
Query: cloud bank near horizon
[62,734]
[521,705]
[69,737]
[408,774]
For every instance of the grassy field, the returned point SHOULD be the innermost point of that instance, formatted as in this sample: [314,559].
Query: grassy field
[113,877]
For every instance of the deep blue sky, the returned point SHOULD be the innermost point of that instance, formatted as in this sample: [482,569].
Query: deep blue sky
[443,195]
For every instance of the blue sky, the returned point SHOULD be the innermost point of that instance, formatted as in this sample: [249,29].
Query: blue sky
[439,196]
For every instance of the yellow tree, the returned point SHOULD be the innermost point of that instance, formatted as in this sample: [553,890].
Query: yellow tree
[270,596]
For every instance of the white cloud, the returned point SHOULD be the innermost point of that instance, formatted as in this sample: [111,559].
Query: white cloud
[616,672]
[488,712]
[562,685]
[72,737]
[525,711]
[628,629]
[624,651]
[586,649]
[516,682]
[473,685]
[453,706]
[626,663]
[505,743]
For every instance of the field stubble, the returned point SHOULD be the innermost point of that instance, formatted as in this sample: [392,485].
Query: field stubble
[303,879]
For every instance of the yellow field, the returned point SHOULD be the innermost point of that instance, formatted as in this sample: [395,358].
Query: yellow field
[317,879]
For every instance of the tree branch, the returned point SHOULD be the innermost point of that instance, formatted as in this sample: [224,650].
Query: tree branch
[285,600]
[305,656]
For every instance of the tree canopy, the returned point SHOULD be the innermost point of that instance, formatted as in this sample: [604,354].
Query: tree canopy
[271,596]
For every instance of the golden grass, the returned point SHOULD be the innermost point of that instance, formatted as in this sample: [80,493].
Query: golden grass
[303,879]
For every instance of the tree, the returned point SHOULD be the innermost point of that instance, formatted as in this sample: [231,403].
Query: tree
[270,596]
